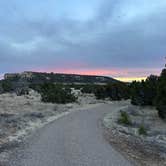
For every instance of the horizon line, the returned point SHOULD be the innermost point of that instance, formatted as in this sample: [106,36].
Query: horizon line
[123,79]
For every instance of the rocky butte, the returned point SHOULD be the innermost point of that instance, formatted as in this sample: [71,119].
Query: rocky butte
[37,77]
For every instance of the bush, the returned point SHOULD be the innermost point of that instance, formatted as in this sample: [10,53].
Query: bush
[161,95]
[142,130]
[89,88]
[117,91]
[56,94]
[124,119]
[6,86]
[114,91]
[162,111]
[100,93]
[151,92]
[22,91]
[144,93]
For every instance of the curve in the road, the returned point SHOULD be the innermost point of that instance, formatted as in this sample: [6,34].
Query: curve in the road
[74,140]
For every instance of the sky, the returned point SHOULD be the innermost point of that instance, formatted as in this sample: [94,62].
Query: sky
[124,39]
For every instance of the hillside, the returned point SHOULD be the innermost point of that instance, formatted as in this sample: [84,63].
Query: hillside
[36,77]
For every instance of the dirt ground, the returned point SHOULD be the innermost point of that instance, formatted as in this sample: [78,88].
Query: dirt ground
[20,115]
[147,150]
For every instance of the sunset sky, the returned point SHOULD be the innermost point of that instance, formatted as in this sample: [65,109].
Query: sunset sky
[124,39]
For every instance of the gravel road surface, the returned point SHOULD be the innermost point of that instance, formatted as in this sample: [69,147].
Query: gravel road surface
[73,140]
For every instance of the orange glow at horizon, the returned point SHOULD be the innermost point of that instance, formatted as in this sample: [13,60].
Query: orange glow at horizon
[130,79]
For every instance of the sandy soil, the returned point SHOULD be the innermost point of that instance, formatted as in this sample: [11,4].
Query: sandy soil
[147,150]
[20,115]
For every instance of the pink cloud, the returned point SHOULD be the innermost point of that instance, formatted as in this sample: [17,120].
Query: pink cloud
[113,72]
[124,74]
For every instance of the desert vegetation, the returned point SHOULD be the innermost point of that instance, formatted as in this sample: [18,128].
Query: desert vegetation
[5,86]
[113,91]
[144,93]
[161,95]
[142,130]
[55,93]
[151,92]
[124,118]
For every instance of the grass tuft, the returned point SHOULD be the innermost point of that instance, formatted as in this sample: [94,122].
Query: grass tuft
[124,119]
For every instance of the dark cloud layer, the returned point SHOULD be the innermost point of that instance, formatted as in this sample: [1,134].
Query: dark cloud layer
[119,34]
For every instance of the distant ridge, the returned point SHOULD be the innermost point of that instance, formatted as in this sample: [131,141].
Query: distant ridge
[40,77]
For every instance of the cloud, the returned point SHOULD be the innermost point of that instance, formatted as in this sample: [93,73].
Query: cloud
[118,35]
